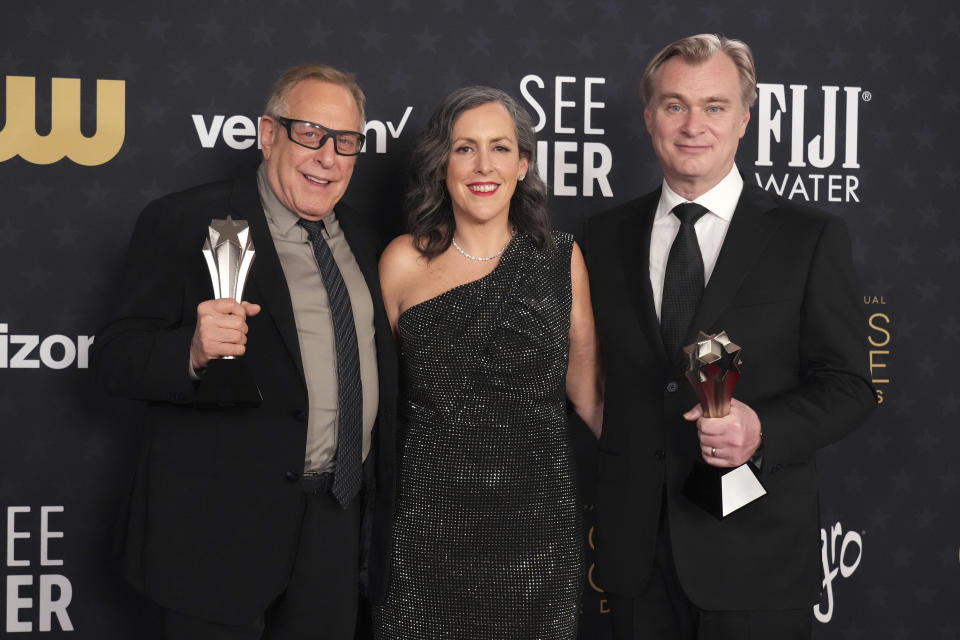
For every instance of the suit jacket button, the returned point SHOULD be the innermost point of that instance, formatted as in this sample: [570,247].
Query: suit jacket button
[299,415]
[291,476]
[660,454]
[672,387]
[776,468]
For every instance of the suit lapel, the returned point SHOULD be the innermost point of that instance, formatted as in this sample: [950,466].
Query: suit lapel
[266,274]
[750,230]
[358,236]
[635,251]
[363,244]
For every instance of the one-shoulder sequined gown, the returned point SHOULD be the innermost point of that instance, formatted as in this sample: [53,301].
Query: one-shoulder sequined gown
[487,538]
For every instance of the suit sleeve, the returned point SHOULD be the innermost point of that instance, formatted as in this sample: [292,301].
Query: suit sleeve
[143,352]
[834,395]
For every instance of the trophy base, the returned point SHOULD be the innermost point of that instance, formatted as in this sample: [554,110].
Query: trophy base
[227,383]
[720,492]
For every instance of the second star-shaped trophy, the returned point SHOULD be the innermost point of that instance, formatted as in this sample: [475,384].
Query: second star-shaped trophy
[713,369]
[228,250]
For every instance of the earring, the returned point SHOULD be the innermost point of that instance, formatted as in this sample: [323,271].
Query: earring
[522,176]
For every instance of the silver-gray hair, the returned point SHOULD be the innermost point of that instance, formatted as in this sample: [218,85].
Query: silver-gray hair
[698,49]
[277,102]
[429,209]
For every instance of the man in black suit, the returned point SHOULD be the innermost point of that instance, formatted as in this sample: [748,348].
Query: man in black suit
[245,522]
[778,278]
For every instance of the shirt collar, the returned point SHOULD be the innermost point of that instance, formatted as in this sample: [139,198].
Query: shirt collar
[284,221]
[721,200]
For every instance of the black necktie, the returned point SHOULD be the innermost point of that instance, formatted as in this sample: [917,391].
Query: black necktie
[683,279]
[347,474]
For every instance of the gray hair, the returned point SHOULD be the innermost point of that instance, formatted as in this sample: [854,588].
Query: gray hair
[429,209]
[698,49]
[277,102]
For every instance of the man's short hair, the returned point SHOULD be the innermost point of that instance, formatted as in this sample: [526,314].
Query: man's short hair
[277,102]
[698,49]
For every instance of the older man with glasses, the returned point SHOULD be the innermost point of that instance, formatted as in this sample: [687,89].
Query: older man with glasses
[245,521]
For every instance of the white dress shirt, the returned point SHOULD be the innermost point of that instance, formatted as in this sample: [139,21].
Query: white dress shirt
[711,228]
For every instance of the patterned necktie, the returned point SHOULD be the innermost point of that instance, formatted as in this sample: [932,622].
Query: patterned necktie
[683,279]
[347,473]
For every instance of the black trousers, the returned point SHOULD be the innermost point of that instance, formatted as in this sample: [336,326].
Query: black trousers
[320,599]
[662,611]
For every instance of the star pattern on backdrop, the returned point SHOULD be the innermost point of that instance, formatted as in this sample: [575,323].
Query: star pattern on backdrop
[221,58]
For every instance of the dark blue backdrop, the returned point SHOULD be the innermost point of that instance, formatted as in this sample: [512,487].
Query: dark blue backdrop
[857,112]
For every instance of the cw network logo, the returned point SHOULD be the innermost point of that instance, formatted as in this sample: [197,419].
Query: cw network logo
[241,132]
[52,352]
[821,151]
[19,135]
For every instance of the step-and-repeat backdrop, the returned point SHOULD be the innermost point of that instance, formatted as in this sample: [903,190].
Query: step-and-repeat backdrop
[107,105]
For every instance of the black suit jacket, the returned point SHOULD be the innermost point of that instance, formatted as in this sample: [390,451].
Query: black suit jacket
[214,510]
[784,289]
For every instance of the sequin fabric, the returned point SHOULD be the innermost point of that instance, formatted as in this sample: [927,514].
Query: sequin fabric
[487,537]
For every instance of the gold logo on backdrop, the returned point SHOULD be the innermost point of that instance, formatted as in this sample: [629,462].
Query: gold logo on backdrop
[879,338]
[604,606]
[19,134]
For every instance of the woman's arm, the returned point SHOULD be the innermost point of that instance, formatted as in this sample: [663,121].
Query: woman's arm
[394,268]
[584,375]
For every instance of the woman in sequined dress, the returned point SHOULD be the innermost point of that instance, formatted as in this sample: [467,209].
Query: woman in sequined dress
[492,313]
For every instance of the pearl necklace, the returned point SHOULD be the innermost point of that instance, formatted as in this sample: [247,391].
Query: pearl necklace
[456,246]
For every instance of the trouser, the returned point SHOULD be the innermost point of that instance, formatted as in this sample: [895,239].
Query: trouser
[662,610]
[320,599]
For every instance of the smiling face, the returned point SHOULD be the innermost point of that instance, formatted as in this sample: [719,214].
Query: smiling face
[309,182]
[484,163]
[696,118]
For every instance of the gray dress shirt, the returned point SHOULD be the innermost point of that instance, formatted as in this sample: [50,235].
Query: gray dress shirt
[315,325]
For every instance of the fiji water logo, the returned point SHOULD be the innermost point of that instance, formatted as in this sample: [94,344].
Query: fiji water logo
[822,157]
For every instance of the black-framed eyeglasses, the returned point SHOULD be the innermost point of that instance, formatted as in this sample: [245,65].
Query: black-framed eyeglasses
[313,136]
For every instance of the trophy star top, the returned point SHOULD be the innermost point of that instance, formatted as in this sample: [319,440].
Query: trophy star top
[715,349]
[730,358]
[708,348]
[229,230]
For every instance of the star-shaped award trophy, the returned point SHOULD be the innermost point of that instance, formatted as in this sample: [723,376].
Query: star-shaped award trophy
[228,250]
[713,368]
